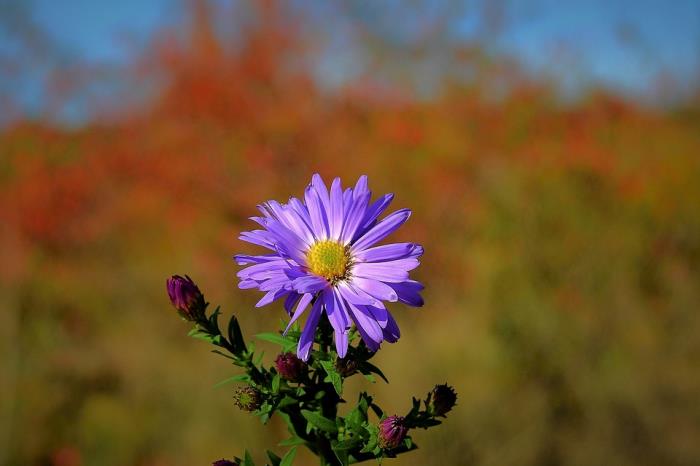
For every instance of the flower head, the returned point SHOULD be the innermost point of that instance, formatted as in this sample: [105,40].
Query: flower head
[392,431]
[247,398]
[324,257]
[442,399]
[186,297]
[290,367]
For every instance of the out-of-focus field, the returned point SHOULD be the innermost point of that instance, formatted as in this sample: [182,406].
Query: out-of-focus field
[562,263]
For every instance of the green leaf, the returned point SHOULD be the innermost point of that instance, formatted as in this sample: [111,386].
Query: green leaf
[289,457]
[286,343]
[358,415]
[333,376]
[319,421]
[370,377]
[247,459]
[274,458]
[369,368]
[235,378]
[373,431]
[290,442]
[276,384]
[258,358]
[346,445]
[287,401]
[342,456]
[235,335]
[220,353]
[214,318]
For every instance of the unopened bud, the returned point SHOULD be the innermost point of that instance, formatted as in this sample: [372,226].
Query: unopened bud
[392,431]
[186,297]
[442,399]
[290,367]
[346,366]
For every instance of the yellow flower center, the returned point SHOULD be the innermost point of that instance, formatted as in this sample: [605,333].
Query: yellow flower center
[329,260]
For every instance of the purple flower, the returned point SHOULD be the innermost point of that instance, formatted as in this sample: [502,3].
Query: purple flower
[392,431]
[290,367]
[324,256]
[186,297]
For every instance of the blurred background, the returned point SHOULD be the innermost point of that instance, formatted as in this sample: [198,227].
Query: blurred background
[550,152]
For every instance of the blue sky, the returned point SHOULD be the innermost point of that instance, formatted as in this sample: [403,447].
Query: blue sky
[622,44]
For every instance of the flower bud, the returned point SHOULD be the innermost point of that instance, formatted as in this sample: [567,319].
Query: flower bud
[226,463]
[247,398]
[346,366]
[186,297]
[392,431]
[442,399]
[290,367]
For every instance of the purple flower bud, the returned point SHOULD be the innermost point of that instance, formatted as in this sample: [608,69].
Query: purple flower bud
[442,399]
[248,398]
[392,431]
[186,297]
[290,367]
[226,463]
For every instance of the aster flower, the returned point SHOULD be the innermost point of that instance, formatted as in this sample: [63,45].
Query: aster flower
[324,257]
[392,431]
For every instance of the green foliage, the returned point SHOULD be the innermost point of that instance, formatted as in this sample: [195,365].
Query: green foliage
[309,407]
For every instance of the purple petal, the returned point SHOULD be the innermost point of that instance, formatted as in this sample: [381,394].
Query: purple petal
[361,187]
[245,259]
[341,342]
[309,284]
[320,188]
[372,213]
[247,284]
[388,252]
[391,331]
[263,270]
[277,282]
[394,271]
[317,213]
[380,314]
[347,199]
[259,237]
[354,216]
[302,211]
[288,242]
[335,311]
[355,296]
[271,296]
[408,292]
[306,340]
[335,217]
[417,251]
[290,302]
[382,229]
[290,220]
[365,321]
[301,307]
[340,333]
[376,289]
